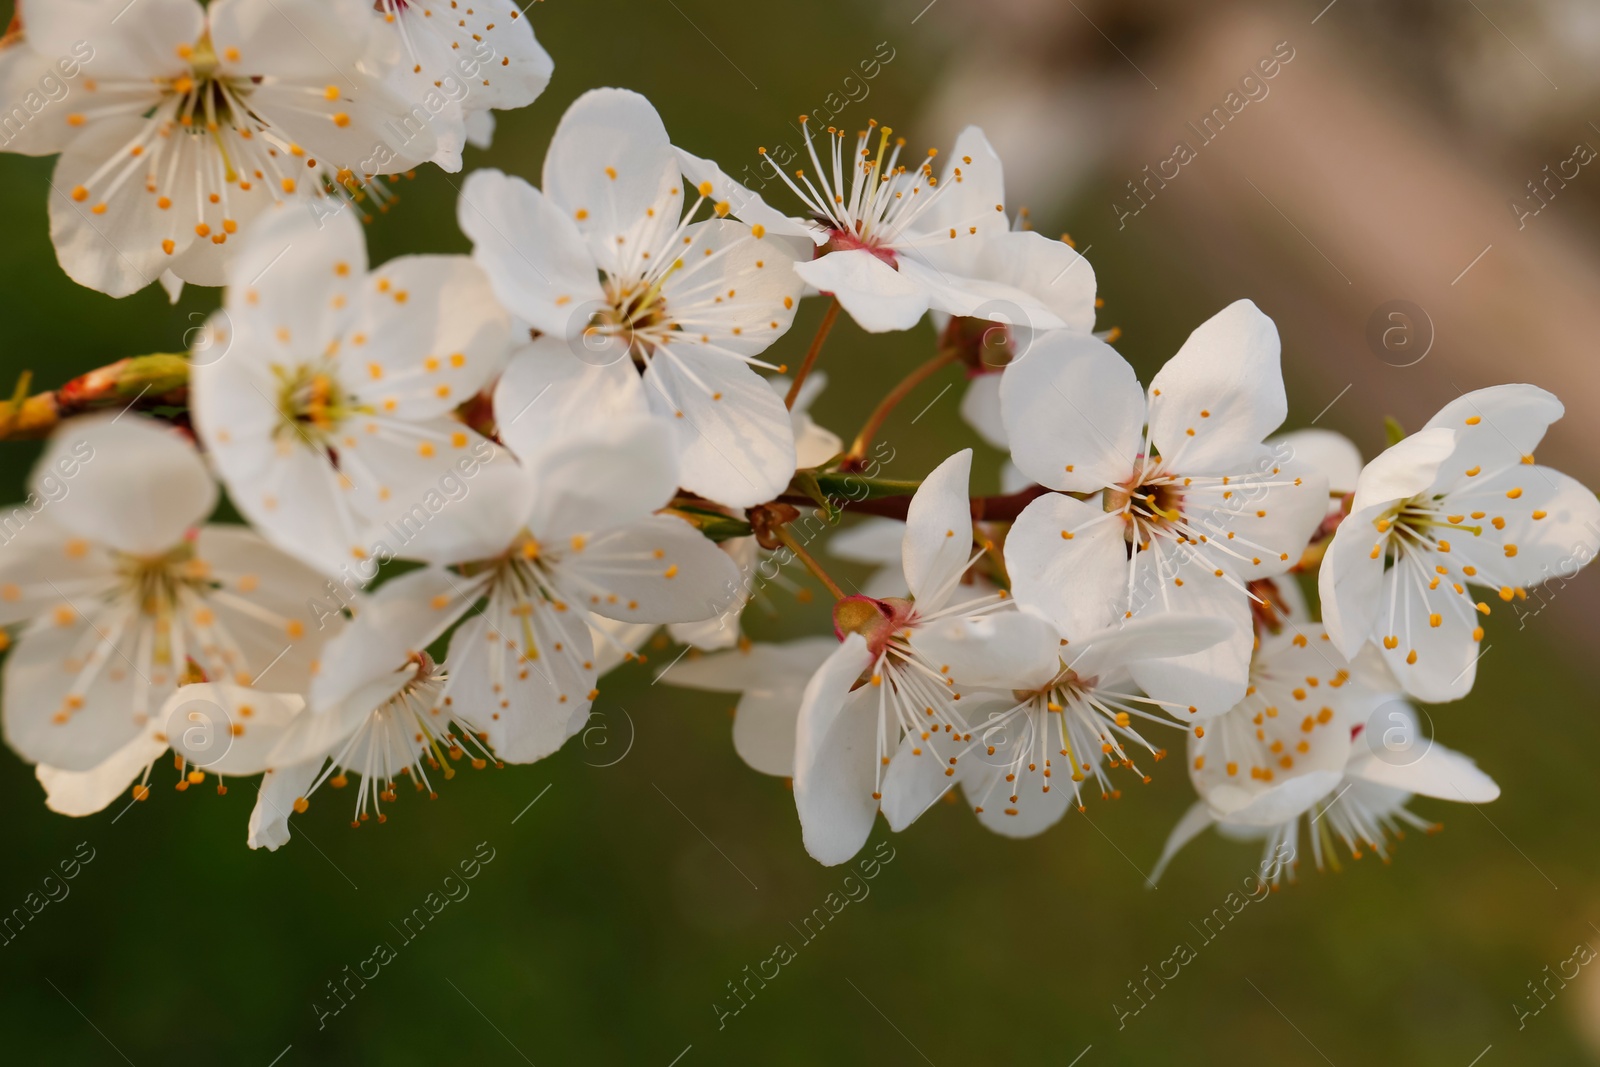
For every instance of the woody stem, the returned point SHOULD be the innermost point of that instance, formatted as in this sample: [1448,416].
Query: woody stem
[875,421]
[812,353]
[793,545]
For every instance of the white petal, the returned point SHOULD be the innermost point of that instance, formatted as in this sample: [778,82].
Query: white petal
[876,295]
[279,789]
[1001,650]
[980,407]
[535,258]
[1058,281]
[659,569]
[938,538]
[836,757]
[1284,801]
[1333,454]
[1020,808]
[974,189]
[1439,772]
[735,289]
[406,614]
[594,483]
[529,706]
[227,729]
[135,485]
[295,279]
[1495,429]
[86,792]
[548,393]
[122,47]
[1551,525]
[40,673]
[1073,412]
[434,336]
[610,159]
[734,434]
[1444,664]
[1079,582]
[1209,682]
[1151,637]
[872,540]
[1350,581]
[772,679]
[117,250]
[1225,385]
[742,202]
[1405,469]
[917,777]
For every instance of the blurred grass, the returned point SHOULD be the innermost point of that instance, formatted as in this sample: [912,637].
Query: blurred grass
[609,922]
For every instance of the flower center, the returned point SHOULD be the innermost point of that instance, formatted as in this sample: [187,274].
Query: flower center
[202,94]
[312,403]
[1147,500]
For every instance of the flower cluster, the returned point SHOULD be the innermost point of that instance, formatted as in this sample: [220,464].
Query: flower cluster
[475,484]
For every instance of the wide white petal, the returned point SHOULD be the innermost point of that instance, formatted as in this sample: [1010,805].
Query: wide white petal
[596,482]
[137,485]
[1333,454]
[876,295]
[1000,650]
[743,203]
[529,705]
[535,258]
[980,409]
[434,336]
[1540,525]
[549,392]
[938,537]
[609,164]
[1495,428]
[1209,682]
[227,729]
[1068,560]
[1073,412]
[1350,581]
[658,569]
[1150,637]
[920,772]
[1439,772]
[1404,469]
[734,435]
[836,757]
[86,792]
[1221,394]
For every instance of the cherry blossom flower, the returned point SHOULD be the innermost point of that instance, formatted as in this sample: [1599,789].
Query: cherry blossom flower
[461,60]
[542,549]
[1181,504]
[1362,805]
[1461,503]
[1075,700]
[893,241]
[608,260]
[330,412]
[122,595]
[187,123]
[878,720]
[389,726]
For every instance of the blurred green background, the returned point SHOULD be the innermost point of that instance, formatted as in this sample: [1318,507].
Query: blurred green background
[654,866]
